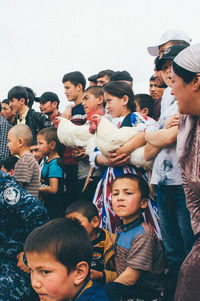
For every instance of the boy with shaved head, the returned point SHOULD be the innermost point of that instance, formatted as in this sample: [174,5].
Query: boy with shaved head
[26,170]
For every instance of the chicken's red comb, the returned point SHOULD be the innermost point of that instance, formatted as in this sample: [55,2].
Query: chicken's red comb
[95,112]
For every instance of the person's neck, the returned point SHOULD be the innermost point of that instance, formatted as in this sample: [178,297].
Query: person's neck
[125,112]
[23,110]
[78,100]
[94,234]
[24,150]
[52,115]
[53,155]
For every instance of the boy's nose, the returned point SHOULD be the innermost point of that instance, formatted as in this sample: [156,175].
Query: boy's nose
[35,281]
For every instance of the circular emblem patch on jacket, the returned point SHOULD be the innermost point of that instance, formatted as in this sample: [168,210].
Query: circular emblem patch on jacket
[11,195]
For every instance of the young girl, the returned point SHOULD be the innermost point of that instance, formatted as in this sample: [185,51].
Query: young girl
[119,99]
[51,190]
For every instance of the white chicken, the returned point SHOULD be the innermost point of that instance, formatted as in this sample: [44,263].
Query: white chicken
[109,138]
[75,136]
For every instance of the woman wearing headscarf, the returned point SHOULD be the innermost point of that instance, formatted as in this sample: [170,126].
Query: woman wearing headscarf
[186,88]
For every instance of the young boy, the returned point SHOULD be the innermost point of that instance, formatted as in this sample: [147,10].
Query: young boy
[51,190]
[139,255]
[92,101]
[144,104]
[59,255]
[8,164]
[26,170]
[103,266]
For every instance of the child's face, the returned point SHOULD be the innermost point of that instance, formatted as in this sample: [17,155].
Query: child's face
[49,277]
[114,105]
[43,147]
[166,73]
[90,102]
[89,226]
[13,143]
[34,150]
[127,199]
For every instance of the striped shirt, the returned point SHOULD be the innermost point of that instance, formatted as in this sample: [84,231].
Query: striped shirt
[138,247]
[27,172]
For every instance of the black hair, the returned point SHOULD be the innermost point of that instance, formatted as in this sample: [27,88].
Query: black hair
[76,78]
[65,239]
[103,73]
[9,163]
[119,89]
[145,101]
[143,185]
[95,90]
[152,79]
[187,76]
[31,96]
[87,209]
[6,101]
[50,134]
[18,92]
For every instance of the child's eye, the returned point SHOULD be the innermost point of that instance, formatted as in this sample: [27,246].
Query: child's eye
[45,272]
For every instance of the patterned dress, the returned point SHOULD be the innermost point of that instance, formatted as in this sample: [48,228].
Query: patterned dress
[102,197]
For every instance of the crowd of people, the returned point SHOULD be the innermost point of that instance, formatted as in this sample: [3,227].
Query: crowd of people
[115,217]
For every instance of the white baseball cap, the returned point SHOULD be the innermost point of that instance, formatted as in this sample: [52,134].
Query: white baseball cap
[169,35]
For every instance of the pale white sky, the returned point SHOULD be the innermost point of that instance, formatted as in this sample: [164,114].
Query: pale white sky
[41,40]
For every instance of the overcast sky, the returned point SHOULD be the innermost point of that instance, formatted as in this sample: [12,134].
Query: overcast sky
[41,40]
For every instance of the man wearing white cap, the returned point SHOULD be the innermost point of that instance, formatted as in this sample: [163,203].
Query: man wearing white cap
[169,38]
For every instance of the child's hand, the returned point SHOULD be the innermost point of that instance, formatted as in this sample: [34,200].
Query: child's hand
[79,154]
[96,274]
[117,160]
[21,263]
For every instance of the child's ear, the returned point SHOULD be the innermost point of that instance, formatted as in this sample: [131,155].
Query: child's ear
[20,142]
[125,100]
[79,87]
[145,111]
[144,203]
[95,222]
[81,272]
[53,145]
[100,100]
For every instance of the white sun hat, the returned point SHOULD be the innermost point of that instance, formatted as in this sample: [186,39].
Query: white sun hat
[169,35]
[189,58]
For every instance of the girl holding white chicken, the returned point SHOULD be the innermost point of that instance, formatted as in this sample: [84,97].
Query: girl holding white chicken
[119,98]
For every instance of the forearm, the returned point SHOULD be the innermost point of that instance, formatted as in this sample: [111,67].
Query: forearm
[129,277]
[163,137]
[52,188]
[150,151]
[137,141]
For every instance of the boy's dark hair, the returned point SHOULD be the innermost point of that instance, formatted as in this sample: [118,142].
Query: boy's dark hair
[87,209]
[143,185]
[145,101]
[9,163]
[103,73]
[31,96]
[6,101]
[75,77]
[50,134]
[18,92]
[119,89]
[65,239]
[95,90]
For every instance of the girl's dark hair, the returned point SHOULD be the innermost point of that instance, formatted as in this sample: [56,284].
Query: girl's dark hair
[187,76]
[119,89]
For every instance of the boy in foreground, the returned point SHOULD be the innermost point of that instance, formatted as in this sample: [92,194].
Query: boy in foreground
[103,266]
[139,255]
[59,255]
